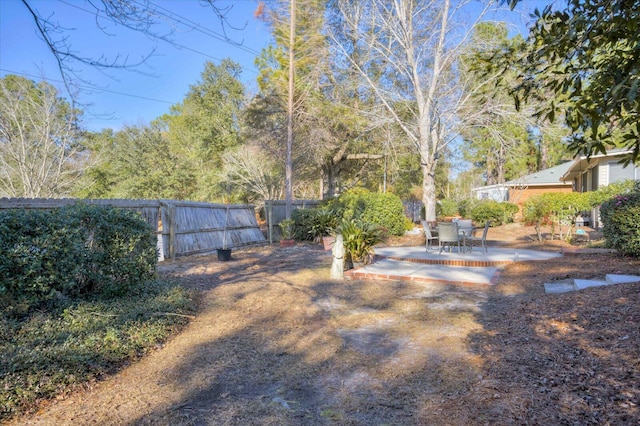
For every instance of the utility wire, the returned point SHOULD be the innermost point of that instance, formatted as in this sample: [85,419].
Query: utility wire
[196,26]
[88,87]
[181,46]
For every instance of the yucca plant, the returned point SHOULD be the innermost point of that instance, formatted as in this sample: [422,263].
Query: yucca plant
[287,228]
[359,238]
[322,223]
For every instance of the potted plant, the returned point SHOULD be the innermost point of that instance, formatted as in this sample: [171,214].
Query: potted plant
[322,227]
[224,253]
[359,238]
[286,229]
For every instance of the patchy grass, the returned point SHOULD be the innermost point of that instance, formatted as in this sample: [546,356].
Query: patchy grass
[49,352]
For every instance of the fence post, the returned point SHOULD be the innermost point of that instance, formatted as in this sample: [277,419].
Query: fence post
[270,221]
[172,230]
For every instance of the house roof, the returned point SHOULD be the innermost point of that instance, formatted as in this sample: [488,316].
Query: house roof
[582,163]
[551,176]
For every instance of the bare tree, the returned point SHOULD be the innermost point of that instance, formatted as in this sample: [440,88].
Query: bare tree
[135,15]
[406,52]
[39,153]
[255,172]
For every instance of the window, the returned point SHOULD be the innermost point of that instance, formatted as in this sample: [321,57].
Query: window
[618,172]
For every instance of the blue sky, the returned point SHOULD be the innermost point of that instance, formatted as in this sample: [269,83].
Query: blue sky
[120,97]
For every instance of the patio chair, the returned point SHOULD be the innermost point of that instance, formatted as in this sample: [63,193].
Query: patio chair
[448,235]
[427,233]
[465,229]
[465,224]
[483,239]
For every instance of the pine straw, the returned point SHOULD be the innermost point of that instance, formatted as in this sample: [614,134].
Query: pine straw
[278,342]
[571,358]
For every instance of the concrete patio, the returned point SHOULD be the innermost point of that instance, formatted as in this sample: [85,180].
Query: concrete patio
[463,268]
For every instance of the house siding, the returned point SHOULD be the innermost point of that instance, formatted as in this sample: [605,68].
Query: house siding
[520,195]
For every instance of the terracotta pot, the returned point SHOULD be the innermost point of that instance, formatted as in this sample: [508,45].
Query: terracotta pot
[327,242]
[287,243]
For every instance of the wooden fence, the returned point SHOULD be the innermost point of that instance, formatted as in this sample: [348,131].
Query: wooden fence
[183,227]
[275,212]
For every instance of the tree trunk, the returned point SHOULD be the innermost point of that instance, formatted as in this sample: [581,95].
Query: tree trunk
[288,184]
[429,193]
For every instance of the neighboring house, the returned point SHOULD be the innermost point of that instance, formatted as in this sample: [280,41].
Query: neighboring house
[599,170]
[580,175]
[519,190]
[589,174]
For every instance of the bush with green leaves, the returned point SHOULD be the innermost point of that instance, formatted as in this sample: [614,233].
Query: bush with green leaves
[497,212]
[560,209]
[621,223]
[609,191]
[446,208]
[466,205]
[73,251]
[382,209]
[313,224]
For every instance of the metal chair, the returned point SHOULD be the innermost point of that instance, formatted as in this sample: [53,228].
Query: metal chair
[448,235]
[483,239]
[465,223]
[427,233]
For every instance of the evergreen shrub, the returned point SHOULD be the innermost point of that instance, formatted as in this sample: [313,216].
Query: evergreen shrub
[313,224]
[494,211]
[73,251]
[382,209]
[446,208]
[620,217]
[466,205]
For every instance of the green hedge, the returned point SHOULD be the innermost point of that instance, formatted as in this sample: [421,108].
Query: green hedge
[621,223]
[446,207]
[494,211]
[382,209]
[73,251]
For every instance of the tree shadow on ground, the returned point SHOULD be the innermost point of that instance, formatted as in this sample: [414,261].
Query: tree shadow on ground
[291,347]
[558,359]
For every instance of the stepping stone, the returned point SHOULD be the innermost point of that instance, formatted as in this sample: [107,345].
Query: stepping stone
[622,279]
[582,284]
[557,288]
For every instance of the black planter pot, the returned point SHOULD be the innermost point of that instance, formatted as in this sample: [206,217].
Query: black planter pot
[224,254]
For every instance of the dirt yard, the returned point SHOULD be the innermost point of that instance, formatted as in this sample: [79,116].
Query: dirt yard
[277,342]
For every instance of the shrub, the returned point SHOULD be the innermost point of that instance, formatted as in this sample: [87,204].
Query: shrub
[73,251]
[303,221]
[465,206]
[446,207]
[607,192]
[494,211]
[558,208]
[313,224]
[382,209]
[46,353]
[620,218]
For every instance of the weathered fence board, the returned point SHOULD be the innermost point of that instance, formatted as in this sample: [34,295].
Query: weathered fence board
[183,227]
[275,212]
